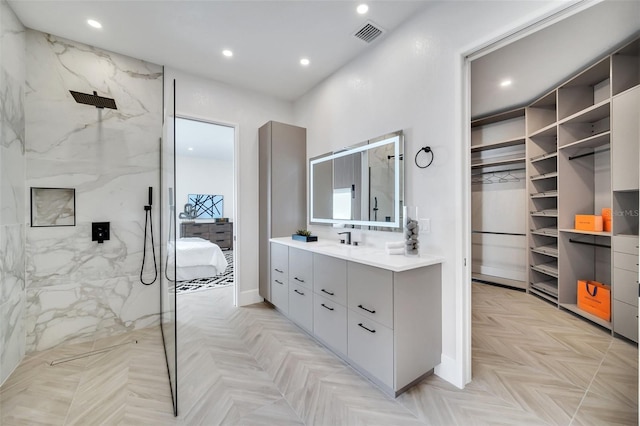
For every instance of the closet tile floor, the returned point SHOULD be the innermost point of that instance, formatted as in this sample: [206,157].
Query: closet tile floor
[532,365]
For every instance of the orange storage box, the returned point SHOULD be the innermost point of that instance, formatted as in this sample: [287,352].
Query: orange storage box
[606,219]
[595,298]
[588,222]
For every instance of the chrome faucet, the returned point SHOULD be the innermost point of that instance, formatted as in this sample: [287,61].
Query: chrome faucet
[348,237]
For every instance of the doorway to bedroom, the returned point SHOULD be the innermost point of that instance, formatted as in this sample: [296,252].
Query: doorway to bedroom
[205,210]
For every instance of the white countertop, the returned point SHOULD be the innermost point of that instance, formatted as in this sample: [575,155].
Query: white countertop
[363,254]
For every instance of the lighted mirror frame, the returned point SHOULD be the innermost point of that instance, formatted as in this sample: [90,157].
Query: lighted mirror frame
[396,139]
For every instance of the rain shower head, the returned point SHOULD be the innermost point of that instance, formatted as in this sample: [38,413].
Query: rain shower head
[94,100]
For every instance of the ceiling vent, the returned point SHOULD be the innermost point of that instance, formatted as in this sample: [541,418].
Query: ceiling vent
[368,32]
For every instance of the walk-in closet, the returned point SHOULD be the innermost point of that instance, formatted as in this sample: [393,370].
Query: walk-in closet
[540,170]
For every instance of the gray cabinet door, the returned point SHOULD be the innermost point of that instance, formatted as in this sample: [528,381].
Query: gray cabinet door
[330,278]
[330,323]
[625,136]
[370,292]
[301,267]
[370,345]
[301,306]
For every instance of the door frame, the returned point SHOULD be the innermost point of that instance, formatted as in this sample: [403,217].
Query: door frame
[237,258]
[553,15]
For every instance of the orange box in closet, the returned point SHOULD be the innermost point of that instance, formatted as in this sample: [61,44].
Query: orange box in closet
[588,222]
[606,219]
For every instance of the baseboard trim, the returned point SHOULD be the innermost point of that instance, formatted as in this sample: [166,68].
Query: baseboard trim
[449,370]
[248,297]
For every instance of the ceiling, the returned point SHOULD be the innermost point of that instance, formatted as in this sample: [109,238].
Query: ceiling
[268,39]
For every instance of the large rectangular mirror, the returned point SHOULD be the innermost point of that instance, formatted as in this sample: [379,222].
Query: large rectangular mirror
[362,185]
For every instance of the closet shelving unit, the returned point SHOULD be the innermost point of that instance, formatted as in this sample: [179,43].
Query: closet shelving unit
[497,157]
[542,171]
[625,109]
[581,151]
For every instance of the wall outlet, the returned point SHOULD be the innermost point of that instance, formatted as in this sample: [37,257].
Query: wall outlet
[425,225]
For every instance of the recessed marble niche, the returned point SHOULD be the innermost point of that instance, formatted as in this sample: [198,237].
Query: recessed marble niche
[53,207]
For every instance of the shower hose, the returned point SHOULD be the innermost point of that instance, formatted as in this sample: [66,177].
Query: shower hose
[148,224]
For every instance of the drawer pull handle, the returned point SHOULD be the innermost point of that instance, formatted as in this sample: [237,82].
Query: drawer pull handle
[279,282]
[368,329]
[362,307]
[299,292]
[278,270]
[298,279]
[220,232]
[325,306]
[328,292]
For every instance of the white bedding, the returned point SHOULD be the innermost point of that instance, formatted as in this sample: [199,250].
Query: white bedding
[198,258]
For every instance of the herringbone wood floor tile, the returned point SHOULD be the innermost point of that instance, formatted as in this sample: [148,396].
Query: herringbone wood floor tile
[532,365]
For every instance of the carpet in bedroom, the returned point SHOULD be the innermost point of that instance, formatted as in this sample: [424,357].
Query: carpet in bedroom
[224,279]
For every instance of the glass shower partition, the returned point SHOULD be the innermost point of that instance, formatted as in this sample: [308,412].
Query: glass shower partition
[168,239]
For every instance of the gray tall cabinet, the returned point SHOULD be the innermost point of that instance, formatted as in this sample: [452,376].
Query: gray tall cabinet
[283,195]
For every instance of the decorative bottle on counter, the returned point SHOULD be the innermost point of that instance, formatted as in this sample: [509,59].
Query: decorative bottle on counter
[411,230]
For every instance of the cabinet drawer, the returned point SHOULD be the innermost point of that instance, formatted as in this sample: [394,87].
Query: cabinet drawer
[330,323]
[221,242]
[370,345]
[279,261]
[625,261]
[221,227]
[625,286]
[625,320]
[370,292]
[301,306]
[301,267]
[625,244]
[280,294]
[330,278]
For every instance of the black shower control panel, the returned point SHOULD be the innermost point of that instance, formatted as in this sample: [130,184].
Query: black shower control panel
[100,231]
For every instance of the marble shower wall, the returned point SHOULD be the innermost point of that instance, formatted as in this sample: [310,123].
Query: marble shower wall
[12,190]
[78,289]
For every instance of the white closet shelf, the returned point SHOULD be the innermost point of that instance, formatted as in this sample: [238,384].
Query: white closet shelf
[549,288]
[550,269]
[499,280]
[547,232]
[574,308]
[497,162]
[549,175]
[544,157]
[578,231]
[589,115]
[502,144]
[546,213]
[545,194]
[595,141]
[549,250]
[548,130]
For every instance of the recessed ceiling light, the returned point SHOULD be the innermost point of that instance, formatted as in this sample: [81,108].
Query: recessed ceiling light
[304,61]
[190,149]
[228,53]
[505,83]
[94,23]
[362,9]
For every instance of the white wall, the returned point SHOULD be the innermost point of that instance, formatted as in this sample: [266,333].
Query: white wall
[412,81]
[197,97]
[197,175]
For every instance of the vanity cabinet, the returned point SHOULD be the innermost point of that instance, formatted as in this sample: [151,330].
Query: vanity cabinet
[386,323]
[280,277]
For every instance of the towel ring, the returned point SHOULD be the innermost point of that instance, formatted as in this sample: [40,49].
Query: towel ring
[428,150]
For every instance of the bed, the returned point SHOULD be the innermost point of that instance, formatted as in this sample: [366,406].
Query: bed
[198,258]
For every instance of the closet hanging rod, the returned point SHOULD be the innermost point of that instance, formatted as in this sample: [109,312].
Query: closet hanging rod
[498,171]
[499,233]
[589,153]
[571,240]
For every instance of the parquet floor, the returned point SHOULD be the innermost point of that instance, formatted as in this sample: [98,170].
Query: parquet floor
[532,365]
